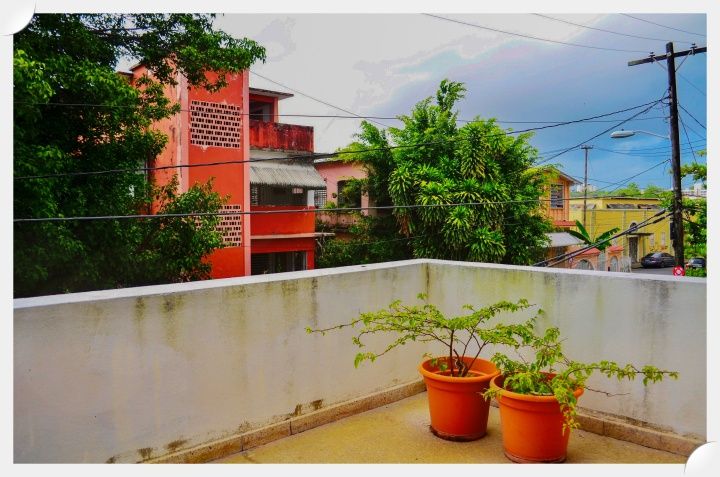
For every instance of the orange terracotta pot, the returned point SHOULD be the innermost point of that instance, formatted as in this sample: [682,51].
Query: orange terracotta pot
[532,426]
[457,409]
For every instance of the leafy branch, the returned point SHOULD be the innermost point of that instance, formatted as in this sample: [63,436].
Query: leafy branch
[425,323]
[552,373]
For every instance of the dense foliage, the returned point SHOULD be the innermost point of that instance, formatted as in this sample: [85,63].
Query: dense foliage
[695,215]
[429,165]
[74,113]
[372,240]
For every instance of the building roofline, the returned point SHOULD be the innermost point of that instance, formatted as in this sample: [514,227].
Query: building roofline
[269,92]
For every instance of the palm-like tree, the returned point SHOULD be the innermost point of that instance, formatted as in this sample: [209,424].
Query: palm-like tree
[583,235]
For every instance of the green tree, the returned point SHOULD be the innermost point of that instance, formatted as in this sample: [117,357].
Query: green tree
[695,212]
[74,113]
[432,163]
[653,191]
[583,235]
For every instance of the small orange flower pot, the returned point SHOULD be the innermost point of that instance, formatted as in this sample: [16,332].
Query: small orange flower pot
[458,410]
[532,426]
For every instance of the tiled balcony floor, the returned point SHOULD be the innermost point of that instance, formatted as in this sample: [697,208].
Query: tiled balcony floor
[398,433]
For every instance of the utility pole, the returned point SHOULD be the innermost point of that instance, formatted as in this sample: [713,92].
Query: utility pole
[586,147]
[679,239]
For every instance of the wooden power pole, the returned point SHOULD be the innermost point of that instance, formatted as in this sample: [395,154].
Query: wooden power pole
[586,147]
[679,238]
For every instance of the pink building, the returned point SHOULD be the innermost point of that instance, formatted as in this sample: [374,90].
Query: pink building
[232,127]
[336,173]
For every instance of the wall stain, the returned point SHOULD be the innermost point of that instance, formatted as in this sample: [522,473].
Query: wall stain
[317,404]
[175,445]
[111,460]
[145,452]
[298,410]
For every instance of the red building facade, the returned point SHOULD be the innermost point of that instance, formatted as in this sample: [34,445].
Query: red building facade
[270,225]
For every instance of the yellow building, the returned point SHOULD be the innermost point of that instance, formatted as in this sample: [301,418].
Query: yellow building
[604,213]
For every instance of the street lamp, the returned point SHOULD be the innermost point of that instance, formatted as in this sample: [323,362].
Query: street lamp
[623,134]
[677,191]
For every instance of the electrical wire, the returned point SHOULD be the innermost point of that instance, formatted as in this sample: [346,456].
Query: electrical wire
[599,134]
[322,155]
[324,116]
[645,154]
[692,84]
[566,256]
[667,147]
[624,181]
[664,26]
[313,98]
[690,114]
[274,212]
[605,31]
[522,35]
[682,123]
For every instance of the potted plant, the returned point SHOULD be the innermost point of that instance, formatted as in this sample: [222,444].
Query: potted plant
[456,381]
[538,397]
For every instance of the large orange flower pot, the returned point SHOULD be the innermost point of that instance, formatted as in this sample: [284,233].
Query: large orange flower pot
[532,426]
[458,410]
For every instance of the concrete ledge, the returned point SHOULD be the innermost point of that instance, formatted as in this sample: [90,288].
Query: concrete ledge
[232,445]
[637,433]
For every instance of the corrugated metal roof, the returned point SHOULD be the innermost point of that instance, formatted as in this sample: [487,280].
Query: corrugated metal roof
[563,239]
[284,174]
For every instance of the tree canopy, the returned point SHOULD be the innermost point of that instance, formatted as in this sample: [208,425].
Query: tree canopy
[74,113]
[461,193]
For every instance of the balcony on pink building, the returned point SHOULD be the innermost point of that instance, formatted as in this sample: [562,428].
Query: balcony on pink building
[280,137]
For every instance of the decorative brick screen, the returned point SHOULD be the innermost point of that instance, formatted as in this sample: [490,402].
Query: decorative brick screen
[231,226]
[214,124]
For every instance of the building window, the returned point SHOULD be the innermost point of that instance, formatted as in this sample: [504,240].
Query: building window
[320,198]
[262,194]
[348,194]
[651,238]
[261,111]
[584,265]
[556,196]
[662,239]
[263,263]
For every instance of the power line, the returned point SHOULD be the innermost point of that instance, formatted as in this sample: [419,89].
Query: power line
[690,114]
[332,116]
[522,35]
[605,31]
[274,212]
[682,123]
[624,181]
[641,154]
[666,147]
[664,26]
[568,255]
[692,84]
[316,156]
[313,98]
[599,134]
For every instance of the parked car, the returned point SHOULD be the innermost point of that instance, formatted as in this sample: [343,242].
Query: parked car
[696,262]
[657,259]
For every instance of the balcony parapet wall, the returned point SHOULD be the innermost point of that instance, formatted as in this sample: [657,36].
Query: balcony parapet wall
[281,137]
[135,374]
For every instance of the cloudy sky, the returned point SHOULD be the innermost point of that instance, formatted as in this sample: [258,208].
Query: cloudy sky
[382,64]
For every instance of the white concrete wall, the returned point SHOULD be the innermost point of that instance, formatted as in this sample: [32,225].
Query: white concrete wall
[623,317]
[126,374]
